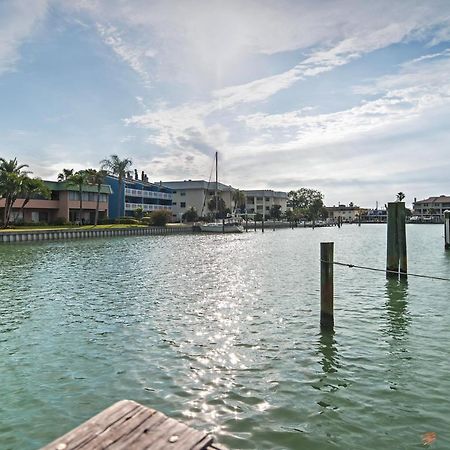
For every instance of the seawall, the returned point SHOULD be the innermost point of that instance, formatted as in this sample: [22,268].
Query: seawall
[53,235]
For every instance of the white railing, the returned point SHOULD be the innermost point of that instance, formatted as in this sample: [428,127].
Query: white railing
[147,194]
[145,207]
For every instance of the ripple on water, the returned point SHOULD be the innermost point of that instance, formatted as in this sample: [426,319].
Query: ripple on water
[222,332]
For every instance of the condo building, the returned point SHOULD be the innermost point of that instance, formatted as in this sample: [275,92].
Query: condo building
[197,194]
[63,204]
[431,208]
[135,193]
[261,201]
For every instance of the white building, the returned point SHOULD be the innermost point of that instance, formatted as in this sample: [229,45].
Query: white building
[261,201]
[197,194]
[345,213]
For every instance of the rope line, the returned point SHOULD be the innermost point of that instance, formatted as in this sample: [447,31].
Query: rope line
[354,266]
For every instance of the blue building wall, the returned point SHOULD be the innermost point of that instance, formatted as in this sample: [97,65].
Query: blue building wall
[137,194]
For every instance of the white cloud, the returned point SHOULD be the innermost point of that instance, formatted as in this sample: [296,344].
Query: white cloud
[205,43]
[131,55]
[18,20]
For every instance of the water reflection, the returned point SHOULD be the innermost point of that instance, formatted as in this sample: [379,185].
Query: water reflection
[397,307]
[328,350]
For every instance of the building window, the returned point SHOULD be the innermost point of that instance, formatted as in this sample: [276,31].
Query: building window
[182,204]
[174,203]
[182,194]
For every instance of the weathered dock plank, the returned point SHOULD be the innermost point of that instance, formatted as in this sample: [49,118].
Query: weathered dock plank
[130,425]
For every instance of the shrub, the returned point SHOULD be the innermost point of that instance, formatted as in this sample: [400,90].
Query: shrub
[160,217]
[60,221]
[127,221]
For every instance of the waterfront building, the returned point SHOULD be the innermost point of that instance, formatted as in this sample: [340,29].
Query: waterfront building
[197,194]
[431,208]
[137,193]
[348,213]
[63,204]
[261,201]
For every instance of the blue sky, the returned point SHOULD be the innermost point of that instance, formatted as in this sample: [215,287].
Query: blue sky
[349,97]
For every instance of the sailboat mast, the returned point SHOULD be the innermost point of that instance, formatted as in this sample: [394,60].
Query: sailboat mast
[217,187]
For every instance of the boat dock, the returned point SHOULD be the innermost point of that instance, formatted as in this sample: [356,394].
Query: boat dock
[130,425]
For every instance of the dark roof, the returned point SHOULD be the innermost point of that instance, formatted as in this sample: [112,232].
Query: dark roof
[196,184]
[65,186]
[440,199]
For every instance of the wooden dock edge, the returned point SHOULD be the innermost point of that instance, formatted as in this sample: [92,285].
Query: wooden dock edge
[130,425]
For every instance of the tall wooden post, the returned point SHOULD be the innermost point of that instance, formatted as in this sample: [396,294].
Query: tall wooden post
[255,222]
[392,253]
[262,225]
[326,285]
[447,229]
[223,226]
[246,224]
[401,233]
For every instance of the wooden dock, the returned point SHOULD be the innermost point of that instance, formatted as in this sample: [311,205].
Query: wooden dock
[129,425]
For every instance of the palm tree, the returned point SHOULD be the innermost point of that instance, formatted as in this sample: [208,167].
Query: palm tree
[239,200]
[97,178]
[32,187]
[65,174]
[400,196]
[12,177]
[118,167]
[79,179]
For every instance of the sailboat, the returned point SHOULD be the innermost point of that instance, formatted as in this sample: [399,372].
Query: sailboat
[230,224]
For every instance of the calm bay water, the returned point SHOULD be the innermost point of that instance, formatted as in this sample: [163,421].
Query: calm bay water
[222,332]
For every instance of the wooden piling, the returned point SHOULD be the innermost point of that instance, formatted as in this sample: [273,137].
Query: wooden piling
[447,229]
[392,253]
[401,233]
[326,285]
[262,225]
[223,226]
[246,224]
[255,223]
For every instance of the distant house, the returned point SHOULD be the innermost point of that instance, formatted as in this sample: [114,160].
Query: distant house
[196,194]
[431,208]
[137,193]
[63,204]
[345,213]
[374,215]
[261,201]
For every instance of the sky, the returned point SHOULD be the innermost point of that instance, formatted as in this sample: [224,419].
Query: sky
[348,97]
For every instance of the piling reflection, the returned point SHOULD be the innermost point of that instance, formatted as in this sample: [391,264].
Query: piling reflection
[397,307]
[328,350]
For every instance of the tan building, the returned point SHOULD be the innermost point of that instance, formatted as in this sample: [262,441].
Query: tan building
[197,194]
[63,204]
[431,208]
[346,213]
[261,201]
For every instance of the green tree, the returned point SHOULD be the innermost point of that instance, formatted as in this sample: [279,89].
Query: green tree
[118,167]
[32,187]
[222,209]
[239,200]
[65,174]
[79,179]
[303,198]
[97,178]
[160,217]
[307,202]
[139,213]
[190,215]
[275,212]
[400,196]
[12,176]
